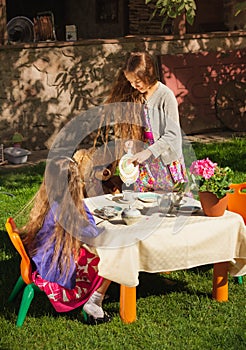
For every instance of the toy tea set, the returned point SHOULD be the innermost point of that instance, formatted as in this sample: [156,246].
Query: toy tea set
[129,173]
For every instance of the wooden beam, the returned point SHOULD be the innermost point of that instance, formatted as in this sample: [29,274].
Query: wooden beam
[3,23]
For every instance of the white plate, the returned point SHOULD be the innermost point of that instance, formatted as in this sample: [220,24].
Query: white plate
[148,197]
[188,209]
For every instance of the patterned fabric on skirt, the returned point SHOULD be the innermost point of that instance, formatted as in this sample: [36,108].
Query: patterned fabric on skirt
[153,174]
[87,281]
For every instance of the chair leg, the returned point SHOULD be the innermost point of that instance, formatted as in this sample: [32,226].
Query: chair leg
[27,297]
[17,288]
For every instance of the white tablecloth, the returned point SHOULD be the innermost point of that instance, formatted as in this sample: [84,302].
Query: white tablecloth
[159,243]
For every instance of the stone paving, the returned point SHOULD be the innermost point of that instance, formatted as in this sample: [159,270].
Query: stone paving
[218,136]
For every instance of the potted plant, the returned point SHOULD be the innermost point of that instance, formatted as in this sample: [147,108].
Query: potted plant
[17,139]
[212,183]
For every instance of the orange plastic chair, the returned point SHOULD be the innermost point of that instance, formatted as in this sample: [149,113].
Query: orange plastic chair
[25,279]
[237,204]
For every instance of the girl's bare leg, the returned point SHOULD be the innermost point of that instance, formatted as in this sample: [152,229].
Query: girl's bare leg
[104,286]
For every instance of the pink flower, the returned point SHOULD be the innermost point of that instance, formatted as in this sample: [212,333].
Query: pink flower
[151,181]
[203,167]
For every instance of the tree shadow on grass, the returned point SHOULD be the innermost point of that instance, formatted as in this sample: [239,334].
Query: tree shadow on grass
[163,284]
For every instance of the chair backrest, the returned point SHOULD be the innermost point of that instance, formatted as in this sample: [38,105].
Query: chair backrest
[237,199]
[25,265]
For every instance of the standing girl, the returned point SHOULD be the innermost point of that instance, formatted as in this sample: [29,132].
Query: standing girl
[161,159]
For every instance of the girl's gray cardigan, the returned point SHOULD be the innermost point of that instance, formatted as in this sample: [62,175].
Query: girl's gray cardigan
[164,119]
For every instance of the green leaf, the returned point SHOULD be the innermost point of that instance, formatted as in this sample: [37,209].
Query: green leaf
[162,12]
[164,22]
[190,18]
[181,7]
[171,13]
[240,7]
[153,14]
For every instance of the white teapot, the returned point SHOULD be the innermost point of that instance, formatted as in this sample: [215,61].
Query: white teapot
[129,172]
[130,216]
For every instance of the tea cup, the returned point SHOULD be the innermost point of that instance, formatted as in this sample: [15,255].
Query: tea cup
[129,196]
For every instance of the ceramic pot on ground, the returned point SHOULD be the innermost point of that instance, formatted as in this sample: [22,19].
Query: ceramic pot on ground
[211,205]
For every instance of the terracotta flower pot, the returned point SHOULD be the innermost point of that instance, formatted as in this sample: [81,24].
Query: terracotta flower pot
[211,205]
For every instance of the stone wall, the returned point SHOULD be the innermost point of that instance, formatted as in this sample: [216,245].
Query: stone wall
[45,85]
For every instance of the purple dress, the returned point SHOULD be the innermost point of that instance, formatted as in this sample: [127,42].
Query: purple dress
[65,293]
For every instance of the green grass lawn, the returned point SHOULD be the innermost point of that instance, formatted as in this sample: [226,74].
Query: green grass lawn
[174,311]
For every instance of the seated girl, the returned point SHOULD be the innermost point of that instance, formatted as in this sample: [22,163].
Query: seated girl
[65,268]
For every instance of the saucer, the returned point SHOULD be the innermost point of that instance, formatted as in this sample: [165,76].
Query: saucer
[148,197]
[123,201]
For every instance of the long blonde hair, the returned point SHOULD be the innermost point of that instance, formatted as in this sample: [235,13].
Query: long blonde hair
[64,242]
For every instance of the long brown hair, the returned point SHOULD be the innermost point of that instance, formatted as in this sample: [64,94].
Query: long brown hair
[128,116]
[122,91]
[65,243]
[128,124]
